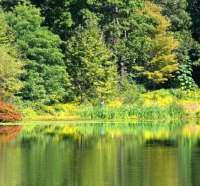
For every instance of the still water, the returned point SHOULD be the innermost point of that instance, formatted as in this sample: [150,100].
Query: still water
[100,155]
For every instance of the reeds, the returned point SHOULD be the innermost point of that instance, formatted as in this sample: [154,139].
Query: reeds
[153,112]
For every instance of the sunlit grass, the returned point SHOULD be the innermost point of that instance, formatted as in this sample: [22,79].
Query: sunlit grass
[153,112]
[154,105]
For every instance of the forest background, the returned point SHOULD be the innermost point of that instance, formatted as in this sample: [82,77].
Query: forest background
[100,58]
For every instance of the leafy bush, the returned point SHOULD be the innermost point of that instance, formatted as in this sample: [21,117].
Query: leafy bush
[8,113]
[131,92]
[184,76]
[185,95]
[197,113]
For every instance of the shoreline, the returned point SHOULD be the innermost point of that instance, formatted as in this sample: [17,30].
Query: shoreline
[66,121]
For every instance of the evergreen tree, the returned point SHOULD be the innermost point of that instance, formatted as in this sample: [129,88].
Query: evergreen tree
[194,11]
[60,18]
[45,76]
[63,15]
[90,64]
[138,35]
[128,30]
[139,38]
[118,19]
[142,40]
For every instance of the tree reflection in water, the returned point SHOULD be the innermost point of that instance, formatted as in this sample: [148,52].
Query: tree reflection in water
[102,154]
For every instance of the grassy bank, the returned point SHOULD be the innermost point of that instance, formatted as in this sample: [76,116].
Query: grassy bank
[155,105]
[172,111]
[154,112]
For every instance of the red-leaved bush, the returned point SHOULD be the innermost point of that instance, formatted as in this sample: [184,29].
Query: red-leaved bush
[8,113]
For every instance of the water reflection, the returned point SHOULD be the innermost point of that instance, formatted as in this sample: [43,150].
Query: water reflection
[100,154]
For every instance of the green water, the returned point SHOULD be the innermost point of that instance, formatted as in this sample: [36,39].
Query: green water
[100,155]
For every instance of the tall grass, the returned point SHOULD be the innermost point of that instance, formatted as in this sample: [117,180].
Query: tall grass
[172,111]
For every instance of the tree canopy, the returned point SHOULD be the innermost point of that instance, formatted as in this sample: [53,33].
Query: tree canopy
[45,76]
[86,49]
[10,62]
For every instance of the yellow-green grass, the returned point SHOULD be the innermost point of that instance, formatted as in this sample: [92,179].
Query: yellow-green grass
[155,105]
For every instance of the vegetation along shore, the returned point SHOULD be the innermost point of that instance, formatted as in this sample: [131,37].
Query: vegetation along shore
[99,60]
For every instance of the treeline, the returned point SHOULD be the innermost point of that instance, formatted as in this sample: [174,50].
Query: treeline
[78,50]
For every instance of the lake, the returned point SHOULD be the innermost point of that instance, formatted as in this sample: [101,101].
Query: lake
[100,154]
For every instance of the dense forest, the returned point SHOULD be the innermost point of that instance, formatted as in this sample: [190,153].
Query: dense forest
[58,51]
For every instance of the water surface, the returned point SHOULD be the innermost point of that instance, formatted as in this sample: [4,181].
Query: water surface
[100,155]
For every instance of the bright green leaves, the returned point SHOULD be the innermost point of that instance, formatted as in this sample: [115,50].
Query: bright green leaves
[99,38]
[26,19]
[10,69]
[184,77]
[10,63]
[131,29]
[45,76]
[91,67]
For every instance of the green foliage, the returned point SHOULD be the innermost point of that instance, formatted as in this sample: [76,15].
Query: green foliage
[185,52]
[193,9]
[176,11]
[106,46]
[180,94]
[59,13]
[130,92]
[198,113]
[173,111]
[136,37]
[160,62]
[184,77]
[90,64]
[181,22]
[10,63]
[45,77]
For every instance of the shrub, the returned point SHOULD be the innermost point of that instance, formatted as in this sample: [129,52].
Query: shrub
[197,113]
[8,113]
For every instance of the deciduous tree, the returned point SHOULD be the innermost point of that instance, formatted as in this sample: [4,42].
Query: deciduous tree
[10,63]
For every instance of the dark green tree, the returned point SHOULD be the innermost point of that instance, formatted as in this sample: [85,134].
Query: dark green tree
[45,77]
[132,34]
[122,22]
[63,16]
[194,10]
[59,15]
